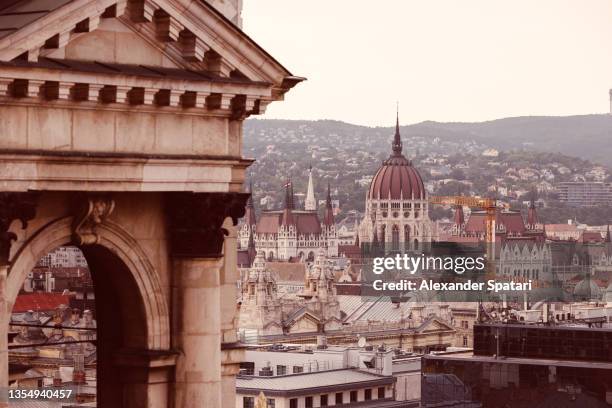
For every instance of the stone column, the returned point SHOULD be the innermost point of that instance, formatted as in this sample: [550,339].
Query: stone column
[203,303]
[197,331]
[4,320]
[232,352]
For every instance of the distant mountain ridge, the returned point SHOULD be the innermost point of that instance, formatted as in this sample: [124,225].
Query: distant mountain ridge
[585,136]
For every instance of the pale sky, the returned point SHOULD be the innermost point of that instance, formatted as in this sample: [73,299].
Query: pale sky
[445,60]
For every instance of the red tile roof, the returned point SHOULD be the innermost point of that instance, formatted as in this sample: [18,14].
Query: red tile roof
[40,301]
[513,221]
[307,222]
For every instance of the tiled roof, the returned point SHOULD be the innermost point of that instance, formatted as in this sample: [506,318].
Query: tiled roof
[306,222]
[15,14]
[40,301]
[123,69]
[512,220]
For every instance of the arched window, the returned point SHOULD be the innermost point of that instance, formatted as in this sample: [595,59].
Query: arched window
[395,238]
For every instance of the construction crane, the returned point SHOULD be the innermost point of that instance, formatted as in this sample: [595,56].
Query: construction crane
[489,205]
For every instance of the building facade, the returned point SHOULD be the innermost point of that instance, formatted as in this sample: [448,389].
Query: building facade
[396,208]
[585,193]
[292,233]
[121,134]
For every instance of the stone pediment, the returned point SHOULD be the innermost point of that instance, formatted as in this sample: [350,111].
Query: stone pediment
[433,325]
[167,33]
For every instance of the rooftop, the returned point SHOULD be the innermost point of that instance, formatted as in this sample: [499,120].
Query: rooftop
[314,382]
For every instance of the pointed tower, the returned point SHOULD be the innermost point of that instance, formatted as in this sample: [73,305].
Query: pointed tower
[249,226]
[329,210]
[397,139]
[311,203]
[251,251]
[287,218]
[458,218]
[532,215]
[249,216]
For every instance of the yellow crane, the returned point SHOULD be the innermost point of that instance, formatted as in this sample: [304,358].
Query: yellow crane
[489,205]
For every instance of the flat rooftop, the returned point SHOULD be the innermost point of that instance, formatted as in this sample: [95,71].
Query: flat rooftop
[514,360]
[314,382]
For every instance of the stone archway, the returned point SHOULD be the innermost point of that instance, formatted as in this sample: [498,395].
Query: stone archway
[132,314]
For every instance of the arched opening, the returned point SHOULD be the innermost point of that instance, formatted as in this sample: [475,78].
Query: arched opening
[131,313]
[79,310]
[311,256]
[406,237]
[53,326]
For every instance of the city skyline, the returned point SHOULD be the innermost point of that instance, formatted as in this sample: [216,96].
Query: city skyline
[544,58]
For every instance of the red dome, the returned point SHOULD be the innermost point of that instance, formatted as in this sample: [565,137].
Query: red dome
[397,179]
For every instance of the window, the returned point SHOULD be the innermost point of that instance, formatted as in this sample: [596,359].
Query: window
[381,392]
[465,324]
[353,396]
[271,403]
[308,402]
[298,369]
[281,370]
[339,398]
[247,368]
[368,394]
[248,402]
[465,341]
[293,403]
[323,401]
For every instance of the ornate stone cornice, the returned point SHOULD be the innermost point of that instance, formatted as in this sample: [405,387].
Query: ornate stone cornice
[195,221]
[14,206]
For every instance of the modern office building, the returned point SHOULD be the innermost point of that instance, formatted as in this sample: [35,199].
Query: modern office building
[516,366]
[585,193]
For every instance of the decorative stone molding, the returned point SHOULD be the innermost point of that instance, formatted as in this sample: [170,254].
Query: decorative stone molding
[195,221]
[14,206]
[95,210]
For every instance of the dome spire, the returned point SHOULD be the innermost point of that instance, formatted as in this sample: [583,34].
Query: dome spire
[397,139]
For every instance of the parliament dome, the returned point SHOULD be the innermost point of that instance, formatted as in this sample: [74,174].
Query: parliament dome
[397,179]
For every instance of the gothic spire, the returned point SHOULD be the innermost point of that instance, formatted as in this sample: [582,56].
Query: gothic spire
[310,204]
[397,139]
[250,217]
[329,211]
[287,217]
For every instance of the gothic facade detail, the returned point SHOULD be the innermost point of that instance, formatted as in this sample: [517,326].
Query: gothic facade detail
[314,309]
[292,233]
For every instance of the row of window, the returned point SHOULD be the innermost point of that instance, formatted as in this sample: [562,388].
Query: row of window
[405,206]
[525,273]
[324,400]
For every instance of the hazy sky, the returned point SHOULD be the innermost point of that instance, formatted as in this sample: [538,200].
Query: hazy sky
[446,60]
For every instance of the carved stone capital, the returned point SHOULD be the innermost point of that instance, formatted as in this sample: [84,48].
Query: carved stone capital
[195,221]
[94,210]
[14,206]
